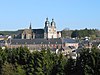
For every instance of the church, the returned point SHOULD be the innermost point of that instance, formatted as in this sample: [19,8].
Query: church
[48,32]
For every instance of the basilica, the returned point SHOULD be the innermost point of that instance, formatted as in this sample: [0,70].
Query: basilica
[48,32]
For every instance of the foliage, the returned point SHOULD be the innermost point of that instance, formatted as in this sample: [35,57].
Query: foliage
[20,61]
[93,33]
[7,69]
[66,33]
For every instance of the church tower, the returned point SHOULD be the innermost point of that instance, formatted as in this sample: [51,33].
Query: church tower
[50,29]
[30,27]
[53,29]
[47,25]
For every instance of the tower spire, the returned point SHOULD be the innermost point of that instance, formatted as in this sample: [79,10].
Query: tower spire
[47,19]
[52,19]
[30,26]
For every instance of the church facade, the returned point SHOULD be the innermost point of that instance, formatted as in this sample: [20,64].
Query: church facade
[50,29]
[48,32]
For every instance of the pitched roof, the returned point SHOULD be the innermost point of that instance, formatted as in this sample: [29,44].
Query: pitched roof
[67,40]
[38,31]
[36,41]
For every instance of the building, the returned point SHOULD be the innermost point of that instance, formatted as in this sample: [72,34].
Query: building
[63,46]
[35,44]
[70,42]
[48,32]
[50,29]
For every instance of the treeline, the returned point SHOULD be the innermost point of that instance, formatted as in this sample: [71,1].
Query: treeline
[66,33]
[20,61]
[8,32]
[93,33]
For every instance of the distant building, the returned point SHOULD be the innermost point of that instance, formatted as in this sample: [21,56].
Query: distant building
[59,34]
[70,42]
[64,46]
[50,29]
[48,32]
[35,44]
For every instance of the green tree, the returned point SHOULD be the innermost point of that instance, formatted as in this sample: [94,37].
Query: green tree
[7,69]
[20,71]
[75,34]
[38,67]
[88,62]
[30,65]
[70,67]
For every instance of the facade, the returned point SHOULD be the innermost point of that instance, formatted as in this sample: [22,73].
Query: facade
[59,34]
[48,32]
[50,29]
[27,34]
[35,44]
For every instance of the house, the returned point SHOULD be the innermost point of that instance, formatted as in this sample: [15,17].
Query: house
[96,44]
[85,44]
[70,42]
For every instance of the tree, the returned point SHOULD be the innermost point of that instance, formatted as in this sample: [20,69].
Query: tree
[38,66]
[88,62]
[66,33]
[70,67]
[30,65]
[20,71]
[75,34]
[7,69]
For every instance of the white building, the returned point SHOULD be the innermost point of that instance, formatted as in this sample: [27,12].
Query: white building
[50,29]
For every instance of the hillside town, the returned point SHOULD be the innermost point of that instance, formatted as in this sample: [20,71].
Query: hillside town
[49,38]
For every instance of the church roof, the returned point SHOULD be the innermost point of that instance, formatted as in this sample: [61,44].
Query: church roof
[38,31]
[29,31]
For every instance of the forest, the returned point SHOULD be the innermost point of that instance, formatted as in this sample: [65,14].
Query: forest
[92,33]
[20,61]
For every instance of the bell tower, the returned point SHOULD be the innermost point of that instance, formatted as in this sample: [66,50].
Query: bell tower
[30,27]
[50,29]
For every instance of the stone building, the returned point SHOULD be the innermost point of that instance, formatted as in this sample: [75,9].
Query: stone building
[27,33]
[50,29]
[48,32]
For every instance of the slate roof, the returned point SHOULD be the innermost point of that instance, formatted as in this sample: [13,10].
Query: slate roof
[36,41]
[38,31]
[67,40]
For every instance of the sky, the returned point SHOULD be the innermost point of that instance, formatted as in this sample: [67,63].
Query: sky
[72,14]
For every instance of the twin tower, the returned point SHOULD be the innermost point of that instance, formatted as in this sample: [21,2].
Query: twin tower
[50,29]
[48,32]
